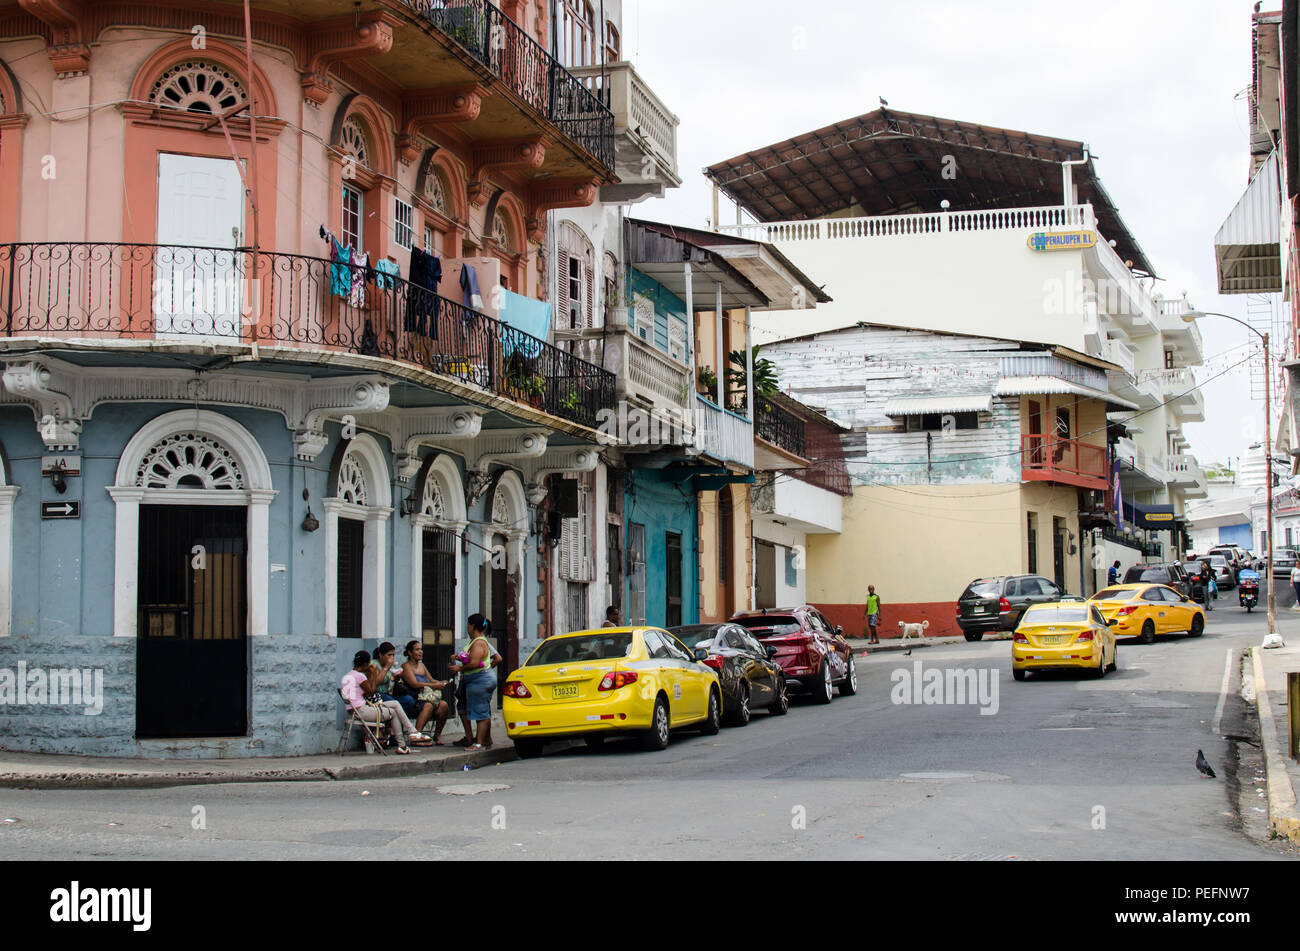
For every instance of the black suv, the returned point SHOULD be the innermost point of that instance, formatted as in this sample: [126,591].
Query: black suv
[1174,575]
[995,604]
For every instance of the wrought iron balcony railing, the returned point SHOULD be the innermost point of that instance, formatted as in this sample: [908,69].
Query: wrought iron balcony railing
[779,427]
[109,291]
[524,65]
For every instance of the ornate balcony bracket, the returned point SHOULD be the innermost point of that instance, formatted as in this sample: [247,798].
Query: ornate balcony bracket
[408,430]
[506,446]
[521,155]
[68,51]
[556,461]
[325,399]
[572,193]
[433,106]
[51,397]
[337,41]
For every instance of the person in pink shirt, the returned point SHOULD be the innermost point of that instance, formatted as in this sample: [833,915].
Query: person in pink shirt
[353,687]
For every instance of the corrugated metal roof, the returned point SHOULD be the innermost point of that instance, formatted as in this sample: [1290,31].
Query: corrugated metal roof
[920,405]
[1035,385]
[1247,247]
[1257,217]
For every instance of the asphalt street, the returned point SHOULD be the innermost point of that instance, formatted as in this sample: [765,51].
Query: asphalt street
[1066,767]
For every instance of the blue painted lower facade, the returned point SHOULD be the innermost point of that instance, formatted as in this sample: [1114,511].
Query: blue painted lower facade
[1236,535]
[664,506]
[63,595]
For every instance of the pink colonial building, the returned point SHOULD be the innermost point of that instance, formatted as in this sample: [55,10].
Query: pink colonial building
[276,384]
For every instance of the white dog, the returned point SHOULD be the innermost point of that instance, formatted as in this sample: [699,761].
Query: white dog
[913,630]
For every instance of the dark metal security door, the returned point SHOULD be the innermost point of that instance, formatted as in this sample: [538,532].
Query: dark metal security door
[438,591]
[501,632]
[192,655]
[352,536]
[673,543]
[1058,553]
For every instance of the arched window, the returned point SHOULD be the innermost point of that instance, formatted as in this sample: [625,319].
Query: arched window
[361,155]
[200,87]
[577,32]
[577,277]
[356,517]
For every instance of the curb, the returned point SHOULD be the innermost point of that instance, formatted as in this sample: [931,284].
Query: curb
[895,644]
[1283,819]
[393,768]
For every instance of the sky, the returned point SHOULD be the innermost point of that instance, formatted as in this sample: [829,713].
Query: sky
[1155,87]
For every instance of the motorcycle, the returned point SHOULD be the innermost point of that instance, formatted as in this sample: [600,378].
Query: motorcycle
[1248,589]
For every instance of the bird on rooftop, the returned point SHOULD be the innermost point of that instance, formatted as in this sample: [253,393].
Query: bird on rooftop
[883,100]
[1203,766]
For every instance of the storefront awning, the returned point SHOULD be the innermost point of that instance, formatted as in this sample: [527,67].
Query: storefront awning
[921,405]
[1153,517]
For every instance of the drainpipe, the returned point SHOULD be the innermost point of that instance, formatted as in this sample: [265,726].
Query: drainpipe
[1067,177]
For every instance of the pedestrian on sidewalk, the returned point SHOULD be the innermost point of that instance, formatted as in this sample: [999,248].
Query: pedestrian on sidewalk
[611,617]
[476,665]
[376,712]
[382,682]
[1112,573]
[426,691]
[872,613]
[1295,582]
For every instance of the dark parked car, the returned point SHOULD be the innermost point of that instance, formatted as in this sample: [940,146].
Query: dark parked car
[996,604]
[813,654]
[1235,559]
[1174,575]
[750,676]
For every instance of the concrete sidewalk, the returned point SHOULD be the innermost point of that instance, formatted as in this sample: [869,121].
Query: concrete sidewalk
[46,771]
[860,645]
[1270,670]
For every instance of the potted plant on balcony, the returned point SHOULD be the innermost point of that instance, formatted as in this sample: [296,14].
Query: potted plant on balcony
[708,381]
[571,401]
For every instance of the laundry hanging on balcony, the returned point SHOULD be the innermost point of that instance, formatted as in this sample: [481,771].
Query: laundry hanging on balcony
[360,264]
[469,286]
[387,269]
[340,267]
[529,316]
[422,302]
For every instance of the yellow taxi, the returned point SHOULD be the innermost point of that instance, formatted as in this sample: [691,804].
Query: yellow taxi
[1145,610]
[1062,635]
[617,680]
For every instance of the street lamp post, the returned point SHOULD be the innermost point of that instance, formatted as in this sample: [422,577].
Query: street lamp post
[1273,639]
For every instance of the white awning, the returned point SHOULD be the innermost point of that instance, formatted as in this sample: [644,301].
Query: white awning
[1043,385]
[1247,248]
[921,405]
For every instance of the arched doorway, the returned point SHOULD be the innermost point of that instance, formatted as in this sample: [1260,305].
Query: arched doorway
[356,549]
[192,493]
[502,576]
[437,605]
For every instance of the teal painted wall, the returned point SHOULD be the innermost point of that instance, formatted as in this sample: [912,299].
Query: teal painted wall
[664,507]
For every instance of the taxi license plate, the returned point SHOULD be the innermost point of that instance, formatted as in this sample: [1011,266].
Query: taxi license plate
[564,692]
[1052,639]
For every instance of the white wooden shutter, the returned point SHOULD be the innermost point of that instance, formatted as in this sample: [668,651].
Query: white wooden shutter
[589,285]
[562,321]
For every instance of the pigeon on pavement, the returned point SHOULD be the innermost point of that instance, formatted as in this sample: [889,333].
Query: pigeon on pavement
[1203,766]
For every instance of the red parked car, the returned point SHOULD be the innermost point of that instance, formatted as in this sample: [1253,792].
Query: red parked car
[813,653]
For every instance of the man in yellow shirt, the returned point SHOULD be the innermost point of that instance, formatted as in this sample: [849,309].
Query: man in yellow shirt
[872,614]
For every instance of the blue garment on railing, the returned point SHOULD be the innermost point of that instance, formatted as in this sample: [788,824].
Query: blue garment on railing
[387,271]
[469,285]
[340,272]
[422,302]
[527,315]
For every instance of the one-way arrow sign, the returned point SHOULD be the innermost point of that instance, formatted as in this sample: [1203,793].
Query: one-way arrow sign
[60,510]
